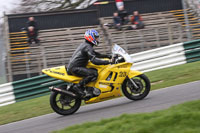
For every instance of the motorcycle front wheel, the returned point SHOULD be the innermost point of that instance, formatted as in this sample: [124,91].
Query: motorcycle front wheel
[64,105]
[137,87]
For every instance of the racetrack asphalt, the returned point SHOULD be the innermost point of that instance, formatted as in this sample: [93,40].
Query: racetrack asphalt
[156,100]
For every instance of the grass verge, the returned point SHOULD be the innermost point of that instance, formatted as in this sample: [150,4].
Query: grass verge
[159,79]
[183,118]
[174,75]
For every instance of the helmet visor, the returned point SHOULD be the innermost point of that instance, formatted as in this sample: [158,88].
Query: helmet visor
[96,36]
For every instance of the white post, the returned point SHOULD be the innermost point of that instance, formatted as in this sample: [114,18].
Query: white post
[188,30]
[7,43]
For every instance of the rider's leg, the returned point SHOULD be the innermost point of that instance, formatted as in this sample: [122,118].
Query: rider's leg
[88,74]
[29,41]
[36,40]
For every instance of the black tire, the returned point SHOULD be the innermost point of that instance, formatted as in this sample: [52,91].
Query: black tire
[144,87]
[59,106]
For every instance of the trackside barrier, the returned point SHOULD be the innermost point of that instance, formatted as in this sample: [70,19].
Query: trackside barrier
[26,89]
[6,94]
[150,60]
[168,56]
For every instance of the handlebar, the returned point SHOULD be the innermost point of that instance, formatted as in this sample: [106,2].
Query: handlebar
[117,59]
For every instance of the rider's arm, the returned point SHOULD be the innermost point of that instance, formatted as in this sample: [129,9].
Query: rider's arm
[94,59]
[98,55]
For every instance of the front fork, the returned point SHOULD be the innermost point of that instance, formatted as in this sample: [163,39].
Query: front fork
[132,74]
[133,82]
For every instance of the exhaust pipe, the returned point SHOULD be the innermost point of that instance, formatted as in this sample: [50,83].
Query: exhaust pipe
[65,92]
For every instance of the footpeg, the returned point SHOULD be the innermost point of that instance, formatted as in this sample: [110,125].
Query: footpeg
[96,91]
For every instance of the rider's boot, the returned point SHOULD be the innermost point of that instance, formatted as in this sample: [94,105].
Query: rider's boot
[79,90]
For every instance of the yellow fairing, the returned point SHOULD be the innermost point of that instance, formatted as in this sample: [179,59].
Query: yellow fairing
[110,87]
[110,78]
[133,73]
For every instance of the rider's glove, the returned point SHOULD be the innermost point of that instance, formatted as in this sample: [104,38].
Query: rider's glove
[111,61]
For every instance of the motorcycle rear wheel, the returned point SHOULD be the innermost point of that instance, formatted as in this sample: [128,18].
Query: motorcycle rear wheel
[64,105]
[141,92]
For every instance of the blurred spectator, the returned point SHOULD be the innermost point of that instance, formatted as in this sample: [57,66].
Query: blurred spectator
[117,21]
[32,30]
[32,35]
[119,3]
[137,21]
[123,14]
[32,22]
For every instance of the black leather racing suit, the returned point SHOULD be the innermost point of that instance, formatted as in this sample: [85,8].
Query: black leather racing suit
[79,60]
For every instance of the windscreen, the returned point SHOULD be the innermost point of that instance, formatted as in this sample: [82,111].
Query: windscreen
[120,51]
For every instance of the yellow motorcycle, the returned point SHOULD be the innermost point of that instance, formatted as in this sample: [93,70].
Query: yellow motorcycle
[112,81]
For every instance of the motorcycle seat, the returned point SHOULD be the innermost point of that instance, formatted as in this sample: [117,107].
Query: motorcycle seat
[61,73]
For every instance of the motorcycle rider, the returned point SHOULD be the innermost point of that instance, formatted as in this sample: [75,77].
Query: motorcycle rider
[80,58]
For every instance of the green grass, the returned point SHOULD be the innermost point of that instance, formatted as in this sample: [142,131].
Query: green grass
[174,75]
[25,109]
[183,118]
[160,79]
